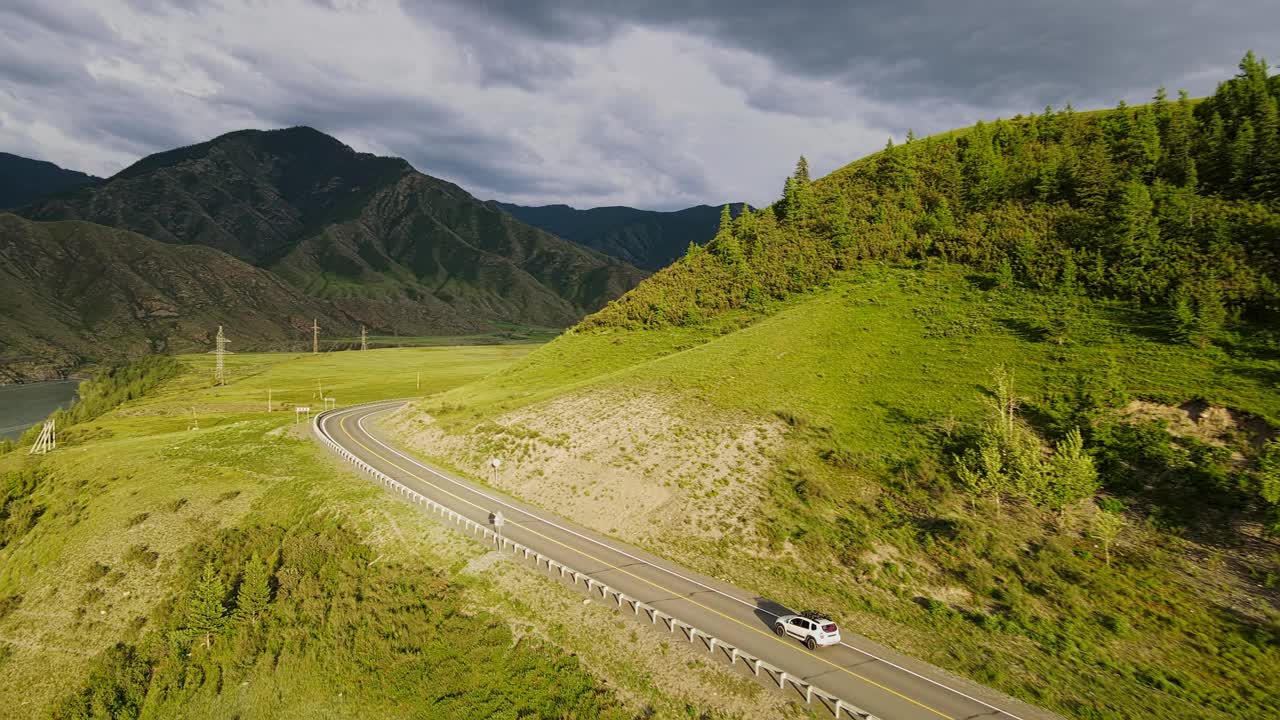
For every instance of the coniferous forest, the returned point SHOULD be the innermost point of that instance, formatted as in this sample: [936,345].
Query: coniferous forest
[1171,204]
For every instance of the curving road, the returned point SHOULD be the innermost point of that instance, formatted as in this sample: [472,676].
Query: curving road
[890,686]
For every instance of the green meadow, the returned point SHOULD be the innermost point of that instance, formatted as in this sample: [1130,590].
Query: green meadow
[882,379]
[149,569]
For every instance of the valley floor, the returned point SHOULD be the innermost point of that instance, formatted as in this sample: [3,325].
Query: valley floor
[129,555]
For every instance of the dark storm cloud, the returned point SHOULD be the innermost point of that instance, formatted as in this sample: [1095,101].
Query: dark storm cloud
[659,104]
[996,53]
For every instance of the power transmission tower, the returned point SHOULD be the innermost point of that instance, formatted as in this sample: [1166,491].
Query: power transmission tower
[220,349]
[315,337]
[364,339]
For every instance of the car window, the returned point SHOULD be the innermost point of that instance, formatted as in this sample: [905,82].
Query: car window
[806,624]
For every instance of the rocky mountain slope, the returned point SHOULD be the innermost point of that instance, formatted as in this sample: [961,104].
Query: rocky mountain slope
[389,246]
[648,239]
[23,180]
[76,293]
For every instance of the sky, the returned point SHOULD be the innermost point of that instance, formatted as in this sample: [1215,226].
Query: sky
[596,102]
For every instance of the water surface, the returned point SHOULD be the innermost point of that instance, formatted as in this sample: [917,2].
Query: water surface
[22,406]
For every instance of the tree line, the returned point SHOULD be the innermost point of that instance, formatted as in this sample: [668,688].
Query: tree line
[1172,204]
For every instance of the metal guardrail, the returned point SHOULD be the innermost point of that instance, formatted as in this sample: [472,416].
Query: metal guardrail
[838,707]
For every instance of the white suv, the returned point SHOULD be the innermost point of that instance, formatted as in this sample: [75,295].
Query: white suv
[812,630]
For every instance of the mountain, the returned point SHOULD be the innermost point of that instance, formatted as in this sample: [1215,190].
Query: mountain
[385,244]
[23,180]
[1005,398]
[648,239]
[76,293]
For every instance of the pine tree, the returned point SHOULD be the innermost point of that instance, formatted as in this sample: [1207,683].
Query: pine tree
[1216,166]
[1072,475]
[1211,313]
[1265,183]
[1136,237]
[981,168]
[1094,174]
[1182,316]
[1176,144]
[205,613]
[1144,145]
[725,244]
[1004,274]
[1105,527]
[840,223]
[1241,154]
[254,592]
[782,208]
[798,198]
[1160,108]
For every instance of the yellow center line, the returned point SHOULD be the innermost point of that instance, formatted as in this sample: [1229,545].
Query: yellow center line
[342,423]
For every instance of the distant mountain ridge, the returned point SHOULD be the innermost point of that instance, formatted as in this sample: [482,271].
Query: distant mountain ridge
[648,239]
[386,245]
[76,292]
[23,180]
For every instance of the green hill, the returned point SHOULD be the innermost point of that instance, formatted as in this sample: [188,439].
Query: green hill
[388,246]
[1006,399]
[648,239]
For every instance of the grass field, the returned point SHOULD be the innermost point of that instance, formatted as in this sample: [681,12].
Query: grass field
[878,380]
[106,542]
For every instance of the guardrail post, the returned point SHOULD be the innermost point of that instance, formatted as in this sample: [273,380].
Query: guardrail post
[782,681]
[733,657]
[808,695]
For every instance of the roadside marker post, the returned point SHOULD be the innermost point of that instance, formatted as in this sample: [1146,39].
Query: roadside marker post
[498,522]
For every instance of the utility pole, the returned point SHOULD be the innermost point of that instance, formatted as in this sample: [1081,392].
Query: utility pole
[268,399]
[419,385]
[220,349]
[315,337]
[364,339]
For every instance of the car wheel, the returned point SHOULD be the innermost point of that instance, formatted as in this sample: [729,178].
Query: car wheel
[779,629]
[811,643]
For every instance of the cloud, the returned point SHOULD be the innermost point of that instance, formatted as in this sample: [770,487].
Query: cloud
[661,104]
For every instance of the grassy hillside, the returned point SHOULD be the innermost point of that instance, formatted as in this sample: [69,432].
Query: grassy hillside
[878,382]
[1006,399]
[149,569]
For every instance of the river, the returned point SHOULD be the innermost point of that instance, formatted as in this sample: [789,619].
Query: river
[22,406]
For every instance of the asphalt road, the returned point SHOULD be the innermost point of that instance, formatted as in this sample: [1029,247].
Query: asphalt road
[889,685]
